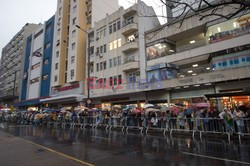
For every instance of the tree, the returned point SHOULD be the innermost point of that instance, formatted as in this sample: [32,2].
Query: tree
[200,8]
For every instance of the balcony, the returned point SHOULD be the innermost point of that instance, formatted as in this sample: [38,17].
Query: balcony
[129,47]
[129,28]
[130,11]
[130,66]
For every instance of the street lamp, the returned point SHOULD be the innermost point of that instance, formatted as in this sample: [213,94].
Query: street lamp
[88,70]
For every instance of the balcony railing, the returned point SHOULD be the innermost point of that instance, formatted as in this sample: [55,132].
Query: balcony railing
[131,46]
[197,44]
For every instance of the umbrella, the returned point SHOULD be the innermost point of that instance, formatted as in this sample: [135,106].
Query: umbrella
[165,109]
[136,111]
[148,106]
[116,107]
[151,110]
[174,110]
[63,111]
[203,105]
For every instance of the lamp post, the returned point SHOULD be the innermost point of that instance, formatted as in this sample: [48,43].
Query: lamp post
[88,69]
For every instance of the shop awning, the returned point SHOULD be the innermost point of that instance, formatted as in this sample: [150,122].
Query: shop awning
[65,98]
[219,95]
[30,102]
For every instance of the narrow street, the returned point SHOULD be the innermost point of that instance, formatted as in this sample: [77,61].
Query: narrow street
[35,145]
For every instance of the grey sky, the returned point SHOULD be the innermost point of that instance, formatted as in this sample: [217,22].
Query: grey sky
[14,14]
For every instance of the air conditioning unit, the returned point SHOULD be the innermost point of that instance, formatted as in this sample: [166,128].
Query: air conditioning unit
[100,55]
[97,38]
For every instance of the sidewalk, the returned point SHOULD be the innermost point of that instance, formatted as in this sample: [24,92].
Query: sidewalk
[15,151]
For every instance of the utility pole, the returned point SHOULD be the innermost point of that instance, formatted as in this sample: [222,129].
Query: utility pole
[88,66]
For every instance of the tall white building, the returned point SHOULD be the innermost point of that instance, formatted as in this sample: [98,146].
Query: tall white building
[69,53]
[11,66]
[117,54]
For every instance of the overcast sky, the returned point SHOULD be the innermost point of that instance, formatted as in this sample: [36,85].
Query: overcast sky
[14,14]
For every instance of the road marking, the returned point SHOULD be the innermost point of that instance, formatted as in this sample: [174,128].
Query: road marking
[58,153]
[215,158]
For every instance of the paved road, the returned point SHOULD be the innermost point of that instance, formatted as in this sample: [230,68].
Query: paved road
[31,145]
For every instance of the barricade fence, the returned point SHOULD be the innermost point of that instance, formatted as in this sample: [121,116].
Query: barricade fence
[167,124]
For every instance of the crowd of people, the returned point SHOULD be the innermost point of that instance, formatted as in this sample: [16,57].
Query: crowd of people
[176,117]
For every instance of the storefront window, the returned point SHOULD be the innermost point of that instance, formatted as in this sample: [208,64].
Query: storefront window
[160,50]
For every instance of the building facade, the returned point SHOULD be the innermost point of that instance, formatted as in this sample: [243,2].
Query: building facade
[36,71]
[212,57]
[10,74]
[117,55]
[68,63]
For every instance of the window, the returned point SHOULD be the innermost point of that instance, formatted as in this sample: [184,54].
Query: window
[65,78]
[74,33]
[105,48]
[236,61]
[219,63]
[224,63]
[243,59]
[35,66]
[101,49]
[118,25]
[73,59]
[110,63]
[46,61]
[104,32]
[58,31]
[119,60]
[45,77]
[111,46]
[74,9]
[73,46]
[115,44]
[47,46]
[56,66]
[97,51]
[110,29]
[119,42]
[101,66]
[74,21]
[34,80]
[114,27]
[115,80]
[115,62]
[72,73]
[119,79]
[58,43]
[110,81]
[97,67]
[132,77]
[57,54]
[60,11]
[55,78]
[248,59]
[231,62]
[38,34]
[104,65]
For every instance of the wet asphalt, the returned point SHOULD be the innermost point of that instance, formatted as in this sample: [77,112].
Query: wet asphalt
[103,148]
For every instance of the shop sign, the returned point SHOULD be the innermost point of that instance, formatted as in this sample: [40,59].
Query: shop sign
[185,81]
[216,76]
[70,87]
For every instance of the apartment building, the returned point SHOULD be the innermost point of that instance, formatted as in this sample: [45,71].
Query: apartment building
[35,82]
[117,56]
[10,74]
[69,53]
[212,57]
